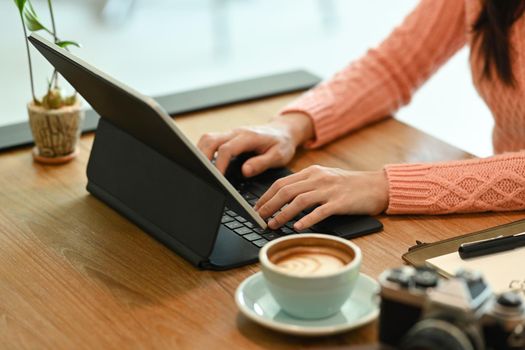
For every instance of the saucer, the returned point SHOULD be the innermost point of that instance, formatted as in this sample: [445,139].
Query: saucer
[255,302]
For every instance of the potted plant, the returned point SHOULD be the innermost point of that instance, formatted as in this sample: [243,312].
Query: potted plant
[56,119]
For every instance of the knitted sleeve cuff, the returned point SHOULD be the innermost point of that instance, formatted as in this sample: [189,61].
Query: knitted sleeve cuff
[409,193]
[320,113]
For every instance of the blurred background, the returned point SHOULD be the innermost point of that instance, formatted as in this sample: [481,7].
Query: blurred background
[165,46]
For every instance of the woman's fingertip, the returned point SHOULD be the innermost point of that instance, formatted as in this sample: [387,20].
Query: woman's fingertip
[248,170]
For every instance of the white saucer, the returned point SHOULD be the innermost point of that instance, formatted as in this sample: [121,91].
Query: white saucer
[256,303]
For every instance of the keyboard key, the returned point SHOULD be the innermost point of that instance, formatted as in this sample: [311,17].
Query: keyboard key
[231,213]
[243,230]
[248,196]
[252,237]
[317,228]
[290,224]
[226,218]
[252,201]
[241,187]
[260,242]
[308,230]
[249,224]
[258,230]
[233,225]
[240,218]
[270,236]
[299,216]
[285,230]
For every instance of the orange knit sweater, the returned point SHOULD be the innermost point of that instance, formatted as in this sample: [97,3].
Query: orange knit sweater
[385,78]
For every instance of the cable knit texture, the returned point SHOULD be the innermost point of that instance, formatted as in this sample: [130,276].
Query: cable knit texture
[382,81]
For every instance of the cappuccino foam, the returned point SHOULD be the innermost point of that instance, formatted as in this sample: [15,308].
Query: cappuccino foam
[311,260]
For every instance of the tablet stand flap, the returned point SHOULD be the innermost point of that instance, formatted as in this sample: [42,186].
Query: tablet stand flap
[153,191]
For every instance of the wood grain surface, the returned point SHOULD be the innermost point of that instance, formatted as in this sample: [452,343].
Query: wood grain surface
[76,275]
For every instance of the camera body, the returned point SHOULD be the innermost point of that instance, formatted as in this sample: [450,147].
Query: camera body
[421,310]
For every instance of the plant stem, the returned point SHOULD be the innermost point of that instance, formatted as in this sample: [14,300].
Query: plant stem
[29,60]
[53,25]
[54,77]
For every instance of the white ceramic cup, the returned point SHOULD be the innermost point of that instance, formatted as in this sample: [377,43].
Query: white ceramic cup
[310,296]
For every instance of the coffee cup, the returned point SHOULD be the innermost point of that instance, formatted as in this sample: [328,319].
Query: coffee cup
[310,276]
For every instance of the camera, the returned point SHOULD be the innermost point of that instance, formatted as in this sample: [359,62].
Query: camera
[420,310]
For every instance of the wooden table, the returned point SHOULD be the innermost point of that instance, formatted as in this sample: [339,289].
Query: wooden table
[74,274]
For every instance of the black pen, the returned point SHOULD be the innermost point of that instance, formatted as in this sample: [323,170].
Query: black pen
[491,245]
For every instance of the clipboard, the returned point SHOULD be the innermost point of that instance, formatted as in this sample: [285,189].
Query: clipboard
[418,254]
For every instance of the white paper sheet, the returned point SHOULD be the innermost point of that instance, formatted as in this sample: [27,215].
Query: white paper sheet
[503,271]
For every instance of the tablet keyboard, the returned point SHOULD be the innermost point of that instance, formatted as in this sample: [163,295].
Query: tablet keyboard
[254,234]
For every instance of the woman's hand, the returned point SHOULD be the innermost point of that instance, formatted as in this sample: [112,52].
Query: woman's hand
[275,143]
[333,191]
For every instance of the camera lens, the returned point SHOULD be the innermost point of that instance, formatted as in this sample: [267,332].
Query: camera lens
[435,334]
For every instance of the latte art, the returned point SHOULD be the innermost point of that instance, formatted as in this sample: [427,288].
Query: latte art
[311,261]
[311,264]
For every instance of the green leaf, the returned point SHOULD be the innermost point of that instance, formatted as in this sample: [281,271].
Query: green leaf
[32,23]
[66,43]
[31,19]
[20,4]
